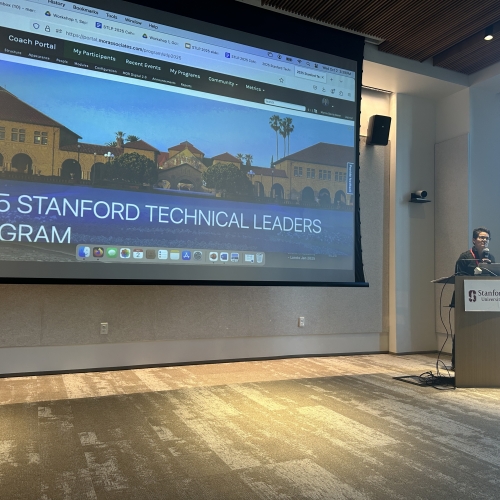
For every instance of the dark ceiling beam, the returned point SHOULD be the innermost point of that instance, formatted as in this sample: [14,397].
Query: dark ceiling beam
[470,61]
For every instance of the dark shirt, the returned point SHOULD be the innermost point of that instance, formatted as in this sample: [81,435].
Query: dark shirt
[468,261]
[465,265]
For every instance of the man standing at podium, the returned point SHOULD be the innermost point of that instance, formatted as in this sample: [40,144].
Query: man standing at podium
[467,263]
[471,259]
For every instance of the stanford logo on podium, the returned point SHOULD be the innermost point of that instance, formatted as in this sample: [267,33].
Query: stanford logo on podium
[481,295]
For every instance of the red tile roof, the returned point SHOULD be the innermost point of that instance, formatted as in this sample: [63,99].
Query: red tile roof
[13,109]
[227,157]
[92,148]
[163,157]
[269,172]
[140,144]
[186,145]
[323,154]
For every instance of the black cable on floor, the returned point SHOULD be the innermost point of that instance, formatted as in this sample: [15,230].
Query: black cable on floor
[438,381]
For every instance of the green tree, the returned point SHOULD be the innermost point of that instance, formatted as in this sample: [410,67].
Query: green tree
[248,160]
[228,179]
[132,168]
[120,136]
[118,142]
[240,157]
[274,123]
[132,138]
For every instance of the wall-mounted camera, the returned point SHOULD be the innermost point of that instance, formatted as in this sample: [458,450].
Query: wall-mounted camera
[419,197]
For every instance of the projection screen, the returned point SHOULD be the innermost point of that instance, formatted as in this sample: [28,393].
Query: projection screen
[145,145]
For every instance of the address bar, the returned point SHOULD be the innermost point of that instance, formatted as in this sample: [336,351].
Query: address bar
[123,45]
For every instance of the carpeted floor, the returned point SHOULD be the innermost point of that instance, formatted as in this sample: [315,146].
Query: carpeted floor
[316,428]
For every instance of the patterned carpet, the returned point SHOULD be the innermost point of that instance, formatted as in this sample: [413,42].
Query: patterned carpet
[316,428]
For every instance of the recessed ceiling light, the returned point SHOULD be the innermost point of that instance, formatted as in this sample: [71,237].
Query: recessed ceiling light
[488,33]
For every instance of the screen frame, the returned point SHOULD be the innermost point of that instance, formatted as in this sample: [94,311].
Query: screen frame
[238,17]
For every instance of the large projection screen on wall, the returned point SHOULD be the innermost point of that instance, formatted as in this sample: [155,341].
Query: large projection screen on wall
[138,144]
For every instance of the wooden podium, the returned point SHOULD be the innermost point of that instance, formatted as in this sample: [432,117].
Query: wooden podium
[477,341]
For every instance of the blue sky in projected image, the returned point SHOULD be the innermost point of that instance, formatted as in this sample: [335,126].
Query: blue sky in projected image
[95,109]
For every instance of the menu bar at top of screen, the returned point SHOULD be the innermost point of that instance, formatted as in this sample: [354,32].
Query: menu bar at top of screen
[179,45]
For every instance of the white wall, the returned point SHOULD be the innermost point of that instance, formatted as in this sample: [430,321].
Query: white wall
[484,179]
[411,252]
[451,223]
[453,116]
[452,201]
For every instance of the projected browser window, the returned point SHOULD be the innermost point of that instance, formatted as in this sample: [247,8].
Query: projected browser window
[136,149]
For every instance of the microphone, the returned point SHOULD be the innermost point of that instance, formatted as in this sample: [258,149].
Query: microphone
[486,255]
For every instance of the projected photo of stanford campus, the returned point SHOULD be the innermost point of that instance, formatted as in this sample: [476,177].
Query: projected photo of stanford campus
[65,128]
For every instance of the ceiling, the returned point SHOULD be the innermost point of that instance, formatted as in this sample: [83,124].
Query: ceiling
[451,32]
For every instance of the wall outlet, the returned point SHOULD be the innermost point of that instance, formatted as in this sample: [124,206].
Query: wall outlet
[302,321]
[104,328]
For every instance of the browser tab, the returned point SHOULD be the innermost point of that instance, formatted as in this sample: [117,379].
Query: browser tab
[310,74]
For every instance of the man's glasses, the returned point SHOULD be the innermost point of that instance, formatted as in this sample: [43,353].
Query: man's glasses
[485,238]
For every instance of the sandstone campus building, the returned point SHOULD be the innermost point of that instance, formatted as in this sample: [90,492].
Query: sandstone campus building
[31,143]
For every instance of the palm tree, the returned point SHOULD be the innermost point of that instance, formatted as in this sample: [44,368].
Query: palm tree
[288,128]
[283,132]
[275,122]
[132,138]
[248,160]
[119,138]
[240,157]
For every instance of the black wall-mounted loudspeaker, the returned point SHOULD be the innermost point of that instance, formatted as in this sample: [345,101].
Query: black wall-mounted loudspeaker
[378,130]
